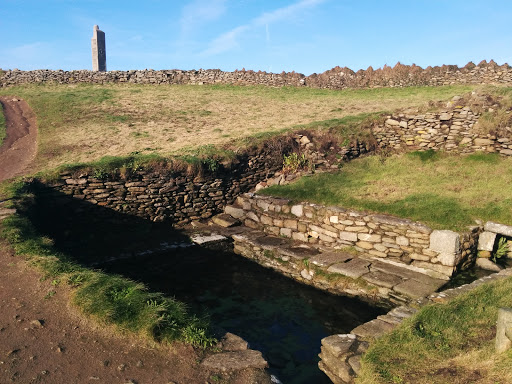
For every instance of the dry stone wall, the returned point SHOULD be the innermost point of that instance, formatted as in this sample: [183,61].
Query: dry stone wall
[451,130]
[180,197]
[336,78]
[437,253]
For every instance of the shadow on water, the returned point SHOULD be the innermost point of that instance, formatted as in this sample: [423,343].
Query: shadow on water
[283,319]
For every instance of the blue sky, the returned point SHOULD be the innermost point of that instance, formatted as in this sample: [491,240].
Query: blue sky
[305,36]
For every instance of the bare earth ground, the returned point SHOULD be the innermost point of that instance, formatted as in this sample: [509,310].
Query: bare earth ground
[44,340]
[19,147]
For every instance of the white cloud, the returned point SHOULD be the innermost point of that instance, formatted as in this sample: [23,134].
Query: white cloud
[229,40]
[197,12]
[225,42]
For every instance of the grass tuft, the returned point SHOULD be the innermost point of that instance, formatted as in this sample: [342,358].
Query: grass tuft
[111,299]
[439,337]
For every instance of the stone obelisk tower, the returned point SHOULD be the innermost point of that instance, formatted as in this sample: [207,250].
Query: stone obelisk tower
[99,55]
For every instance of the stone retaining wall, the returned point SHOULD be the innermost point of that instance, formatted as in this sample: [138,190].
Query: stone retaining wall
[178,196]
[336,78]
[439,252]
[451,130]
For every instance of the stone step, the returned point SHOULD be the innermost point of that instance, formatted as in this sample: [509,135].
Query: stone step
[225,220]
[235,211]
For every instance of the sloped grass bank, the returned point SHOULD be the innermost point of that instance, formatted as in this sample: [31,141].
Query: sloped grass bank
[113,300]
[445,343]
[85,122]
[441,190]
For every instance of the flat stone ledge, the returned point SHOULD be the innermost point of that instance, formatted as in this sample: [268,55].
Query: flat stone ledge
[502,229]
[354,268]
[235,361]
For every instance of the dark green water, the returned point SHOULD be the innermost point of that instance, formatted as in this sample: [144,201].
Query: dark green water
[283,319]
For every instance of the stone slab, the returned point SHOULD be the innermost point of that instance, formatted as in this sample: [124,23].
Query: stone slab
[502,229]
[488,265]
[504,327]
[231,342]
[374,328]
[269,242]
[299,252]
[326,259]
[340,344]
[382,279]
[445,241]
[225,220]
[415,289]
[354,268]
[235,361]
[486,241]
[236,212]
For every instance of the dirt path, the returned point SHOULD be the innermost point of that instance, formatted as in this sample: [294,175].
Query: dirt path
[42,340]
[20,146]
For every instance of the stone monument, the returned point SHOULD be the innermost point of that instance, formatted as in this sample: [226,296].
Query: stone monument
[99,55]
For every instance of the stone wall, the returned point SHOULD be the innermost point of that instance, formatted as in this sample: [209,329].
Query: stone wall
[336,78]
[451,130]
[437,253]
[182,196]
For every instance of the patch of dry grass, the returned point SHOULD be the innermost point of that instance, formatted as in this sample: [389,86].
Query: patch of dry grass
[82,123]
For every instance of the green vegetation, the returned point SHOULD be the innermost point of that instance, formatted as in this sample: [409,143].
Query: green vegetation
[502,251]
[443,343]
[438,189]
[113,300]
[84,122]
[3,127]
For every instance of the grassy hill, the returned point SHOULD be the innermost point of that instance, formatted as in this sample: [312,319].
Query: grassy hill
[82,123]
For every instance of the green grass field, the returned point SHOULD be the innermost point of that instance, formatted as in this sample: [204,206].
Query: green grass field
[445,343]
[82,123]
[441,190]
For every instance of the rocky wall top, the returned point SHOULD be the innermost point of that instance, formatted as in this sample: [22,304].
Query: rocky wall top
[337,78]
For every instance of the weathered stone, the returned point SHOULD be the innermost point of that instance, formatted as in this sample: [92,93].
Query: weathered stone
[225,220]
[353,268]
[402,240]
[445,241]
[355,363]
[300,252]
[306,275]
[326,259]
[487,264]
[297,210]
[364,245]
[382,279]
[235,361]
[372,238]
[237,213]
[505,230]
[339,345]
[483,142]
[415,289]
[392,122]
[348,236]
[374,328]
[445,116]
[504,330]
[232,342]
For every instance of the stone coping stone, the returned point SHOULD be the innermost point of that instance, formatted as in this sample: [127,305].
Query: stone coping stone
[225,220]
[374,328]
[502,229]
[354,268]
[325,259]
[235,361]
[299,252]
[382,279]
[392,220]
[269,242]
[340,344]
[416,289]
[234,211]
